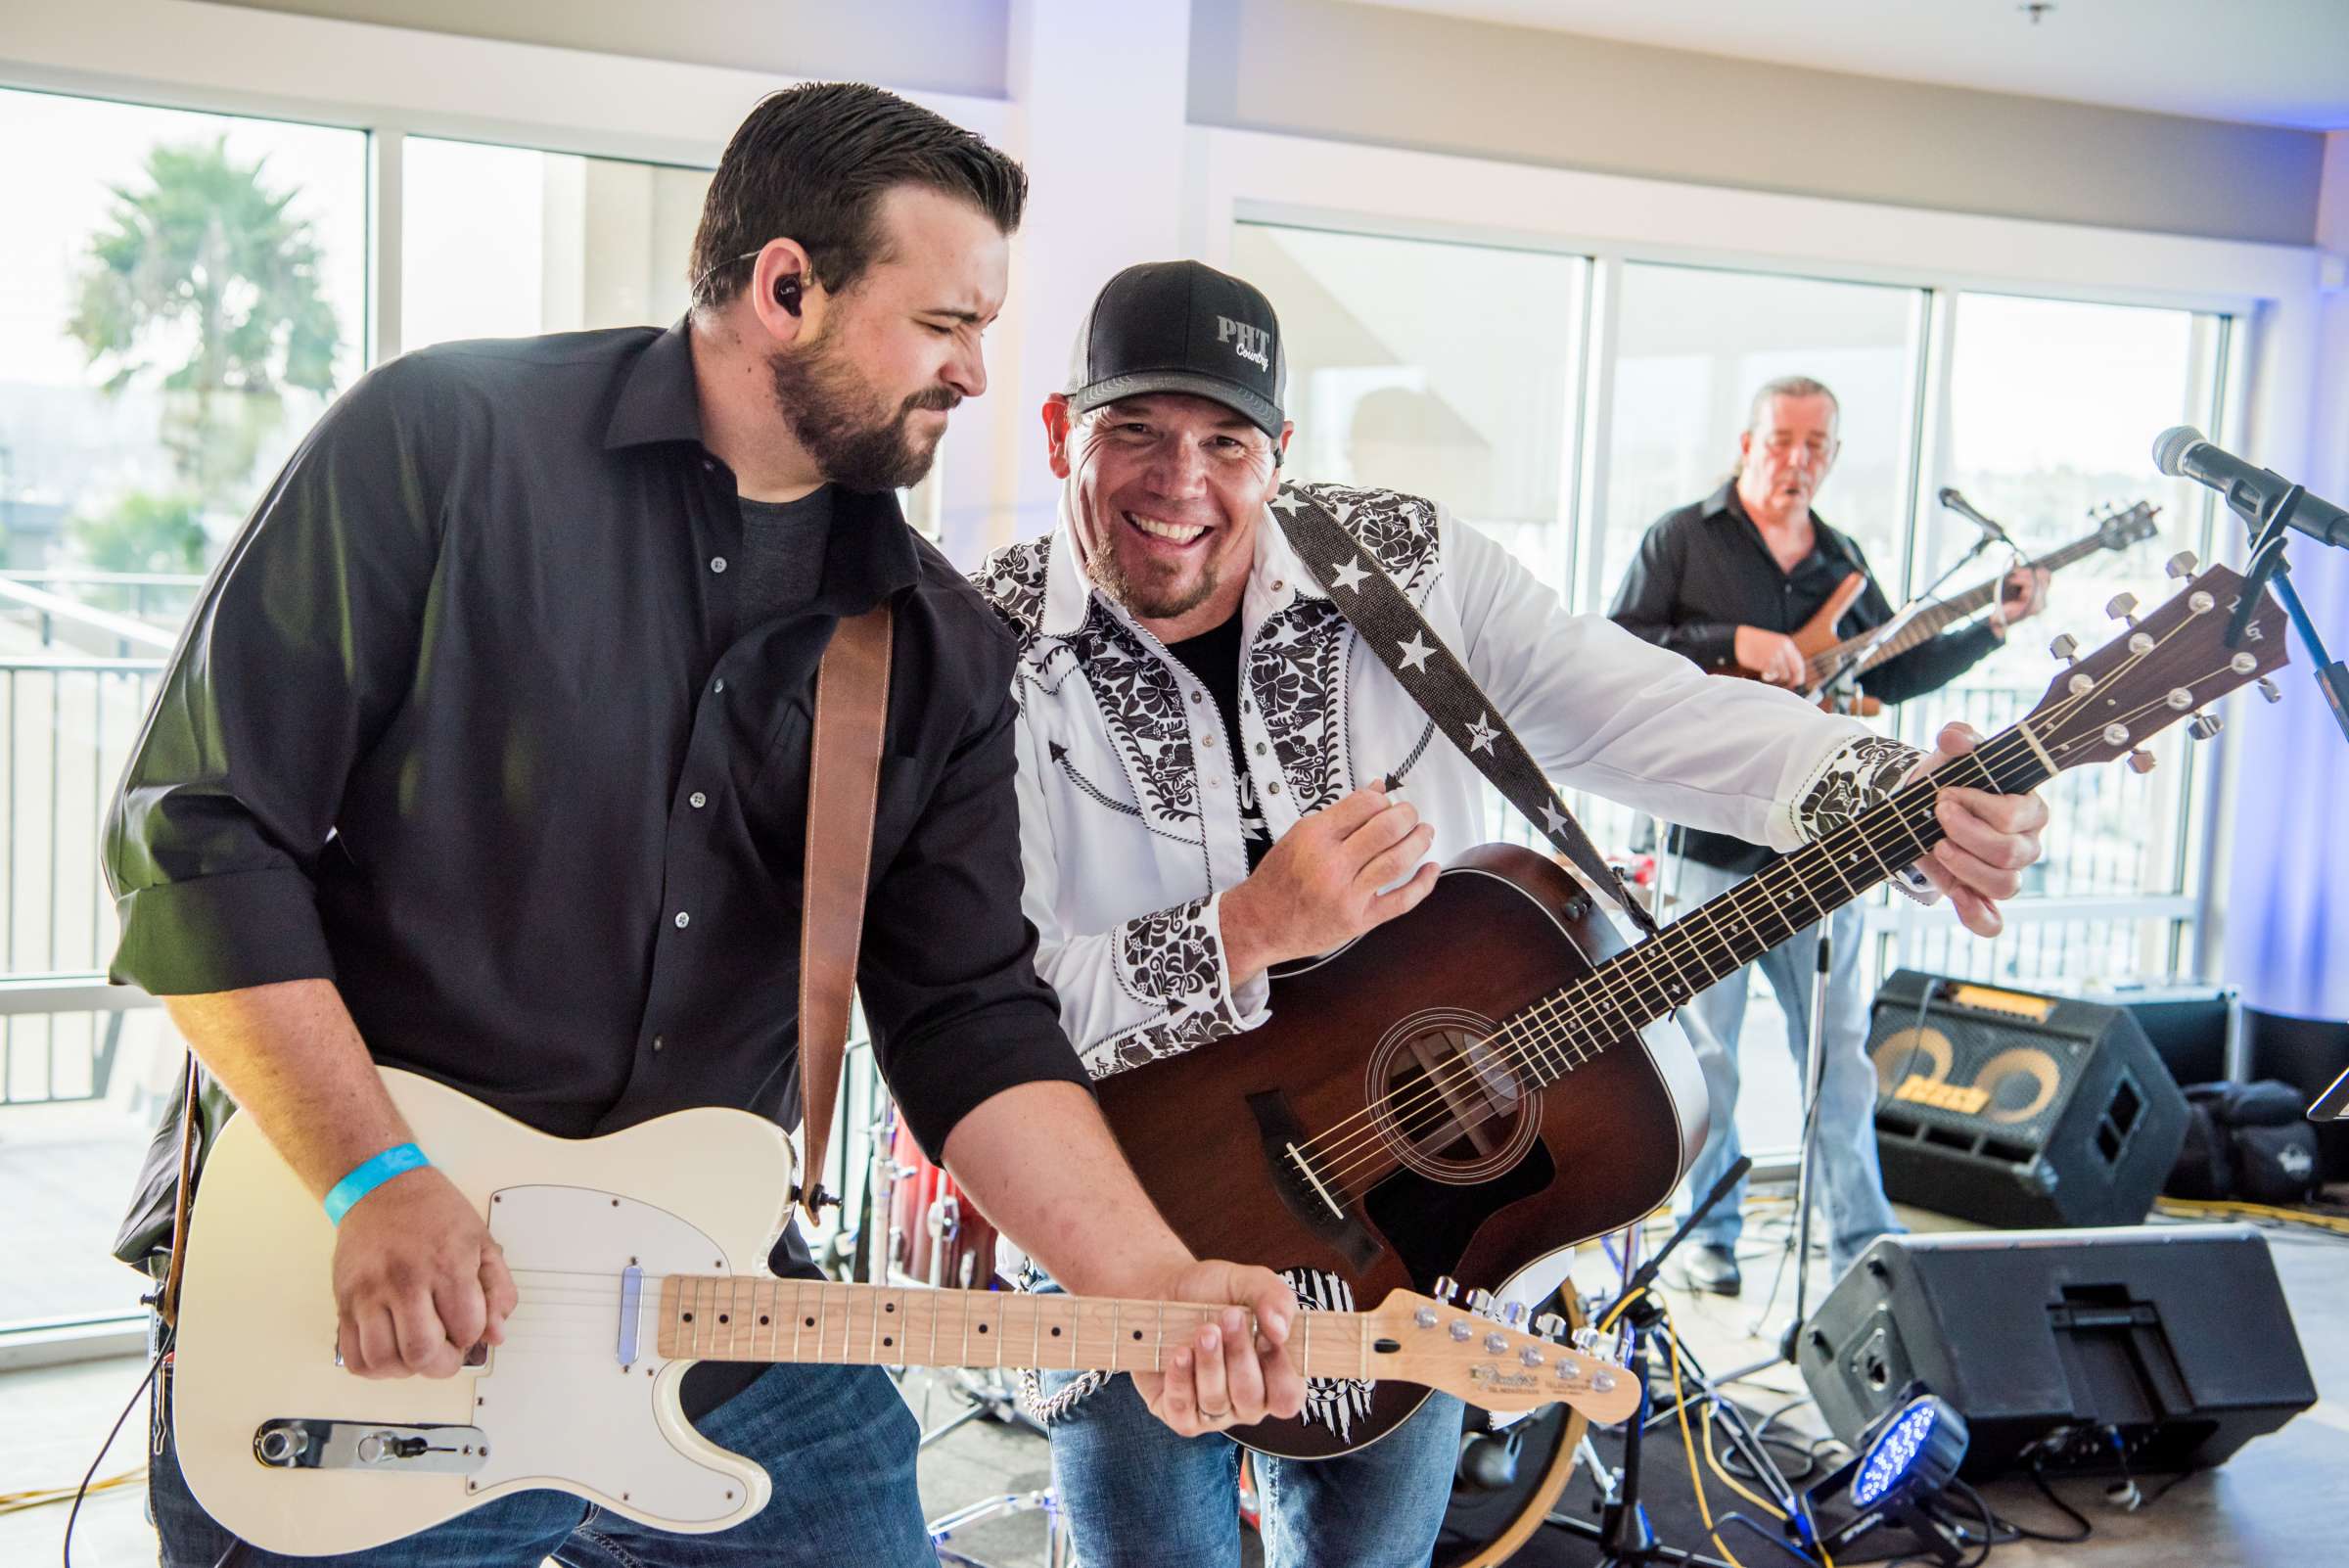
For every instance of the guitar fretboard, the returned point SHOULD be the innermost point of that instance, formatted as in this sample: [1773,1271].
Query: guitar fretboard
[1644,984]
[1928,622]
[739,1318]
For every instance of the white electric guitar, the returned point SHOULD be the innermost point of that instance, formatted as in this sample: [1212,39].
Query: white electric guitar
[635,1254]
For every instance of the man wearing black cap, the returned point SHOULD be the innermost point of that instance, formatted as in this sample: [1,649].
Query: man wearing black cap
[1200,734]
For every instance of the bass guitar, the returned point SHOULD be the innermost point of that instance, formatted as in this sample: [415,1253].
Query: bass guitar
[1462,1093]
[1825,659]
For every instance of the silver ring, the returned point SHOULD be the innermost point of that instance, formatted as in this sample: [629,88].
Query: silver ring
[1215,1416]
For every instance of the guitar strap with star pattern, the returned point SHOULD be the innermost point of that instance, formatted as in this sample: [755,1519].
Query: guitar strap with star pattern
[1385,618]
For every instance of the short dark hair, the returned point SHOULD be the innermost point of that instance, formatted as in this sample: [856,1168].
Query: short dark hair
[812,162]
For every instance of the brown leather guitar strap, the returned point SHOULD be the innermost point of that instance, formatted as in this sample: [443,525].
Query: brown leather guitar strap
[844,774]
[167,1306]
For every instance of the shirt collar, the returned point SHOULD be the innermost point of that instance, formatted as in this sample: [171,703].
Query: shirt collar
[870,552]
[658,398]
[1277,576]
[1723,502]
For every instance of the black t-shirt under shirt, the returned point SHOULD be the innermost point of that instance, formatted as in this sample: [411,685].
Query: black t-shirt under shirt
[1213,656]
[783,555]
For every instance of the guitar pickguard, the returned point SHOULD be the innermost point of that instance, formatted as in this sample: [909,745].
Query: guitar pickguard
[1429,1223]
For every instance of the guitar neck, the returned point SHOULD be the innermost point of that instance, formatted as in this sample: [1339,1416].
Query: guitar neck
[1644,982]
[1929,622]
[730,1318]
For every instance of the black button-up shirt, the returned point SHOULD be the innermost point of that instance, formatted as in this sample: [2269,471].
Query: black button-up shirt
[1705,570]
[465,724]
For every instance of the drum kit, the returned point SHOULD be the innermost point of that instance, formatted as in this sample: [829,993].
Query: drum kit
[920,1227]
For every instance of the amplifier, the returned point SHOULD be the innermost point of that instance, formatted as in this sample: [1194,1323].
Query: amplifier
[2153,1347]
[2016,1108]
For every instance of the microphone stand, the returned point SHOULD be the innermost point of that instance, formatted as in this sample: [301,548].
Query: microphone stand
[2266,569]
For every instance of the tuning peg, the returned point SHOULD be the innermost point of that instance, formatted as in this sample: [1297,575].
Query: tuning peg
[1480,1302]
[1446,1287]
[2140,761]
[1512,1313]
[2270,690]
[1549,1325]
[2119,606]
[1425,1317]
[2202,726]
[2183,563]
[2064,648]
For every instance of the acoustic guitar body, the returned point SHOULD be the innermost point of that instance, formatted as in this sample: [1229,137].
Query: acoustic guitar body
[1368,1136]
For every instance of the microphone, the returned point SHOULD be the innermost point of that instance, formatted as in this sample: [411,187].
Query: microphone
[2182,452]
[1966,509]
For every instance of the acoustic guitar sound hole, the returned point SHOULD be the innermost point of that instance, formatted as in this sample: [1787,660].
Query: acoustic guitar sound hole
[1447,1098]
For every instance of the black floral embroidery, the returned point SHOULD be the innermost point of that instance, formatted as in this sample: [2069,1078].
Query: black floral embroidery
[1142,702]
[1399,529]
[1174,959]
[1297,674]
[1862,774]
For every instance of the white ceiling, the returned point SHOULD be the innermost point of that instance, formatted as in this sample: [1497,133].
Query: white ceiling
[2268,61]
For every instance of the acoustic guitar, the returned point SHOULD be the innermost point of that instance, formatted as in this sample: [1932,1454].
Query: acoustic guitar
[1460,1095]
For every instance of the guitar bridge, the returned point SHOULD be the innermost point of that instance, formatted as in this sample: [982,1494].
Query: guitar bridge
[299,1444]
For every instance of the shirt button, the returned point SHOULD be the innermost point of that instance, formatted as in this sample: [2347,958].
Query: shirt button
[718,563]
[1278,585]
[697,800]
[683,920]
[1198,695]
[1272,788]
[709,466]
[657,1042]
[1207,740]
[1261,748]
[719,686]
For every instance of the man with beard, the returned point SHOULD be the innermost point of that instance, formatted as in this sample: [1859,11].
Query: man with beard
[1729,577]
[487,756]
[1202,735]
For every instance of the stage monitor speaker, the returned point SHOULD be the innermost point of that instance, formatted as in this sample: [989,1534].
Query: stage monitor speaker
[2153,1348]
[2020,1110]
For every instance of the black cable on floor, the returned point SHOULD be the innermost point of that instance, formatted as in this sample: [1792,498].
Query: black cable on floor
[2039,1478]
[115,1431]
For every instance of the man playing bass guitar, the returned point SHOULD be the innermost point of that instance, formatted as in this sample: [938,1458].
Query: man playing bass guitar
[1723,580]
[1203,743]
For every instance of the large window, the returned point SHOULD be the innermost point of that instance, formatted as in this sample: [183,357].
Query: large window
[1691,346]
[185,294]
[502,242]
[1440,370]
[1451,370]
[2050,410]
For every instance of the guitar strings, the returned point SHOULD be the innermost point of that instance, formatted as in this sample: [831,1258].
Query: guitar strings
[1564,1031]
[1588,1047]
[1571,1040]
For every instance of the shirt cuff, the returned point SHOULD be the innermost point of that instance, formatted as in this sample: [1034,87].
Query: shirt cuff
[1861,775]
[221,933]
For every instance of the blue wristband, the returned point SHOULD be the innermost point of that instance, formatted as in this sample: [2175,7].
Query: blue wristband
[371,1176]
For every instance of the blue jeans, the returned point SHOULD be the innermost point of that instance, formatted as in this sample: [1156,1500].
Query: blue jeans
[837,1440]
[1138,1497]
[1845,1171]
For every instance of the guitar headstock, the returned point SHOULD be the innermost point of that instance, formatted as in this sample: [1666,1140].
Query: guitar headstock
[2117,530]
[2172,662]
[1488,1364]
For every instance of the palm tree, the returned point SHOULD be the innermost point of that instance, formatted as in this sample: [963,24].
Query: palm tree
[205,277]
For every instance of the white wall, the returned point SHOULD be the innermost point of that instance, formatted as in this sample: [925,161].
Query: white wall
[1391,77]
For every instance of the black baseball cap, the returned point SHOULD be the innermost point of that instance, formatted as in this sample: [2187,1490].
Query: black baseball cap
[1181,326]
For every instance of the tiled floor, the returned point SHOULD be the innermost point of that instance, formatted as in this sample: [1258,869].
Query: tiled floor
[2279,1504]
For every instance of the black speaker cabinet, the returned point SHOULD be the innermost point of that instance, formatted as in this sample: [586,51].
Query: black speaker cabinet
[2172,1340]
[2020,1110]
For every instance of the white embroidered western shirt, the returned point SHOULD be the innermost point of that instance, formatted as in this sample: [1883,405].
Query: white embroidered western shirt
[1129,798]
